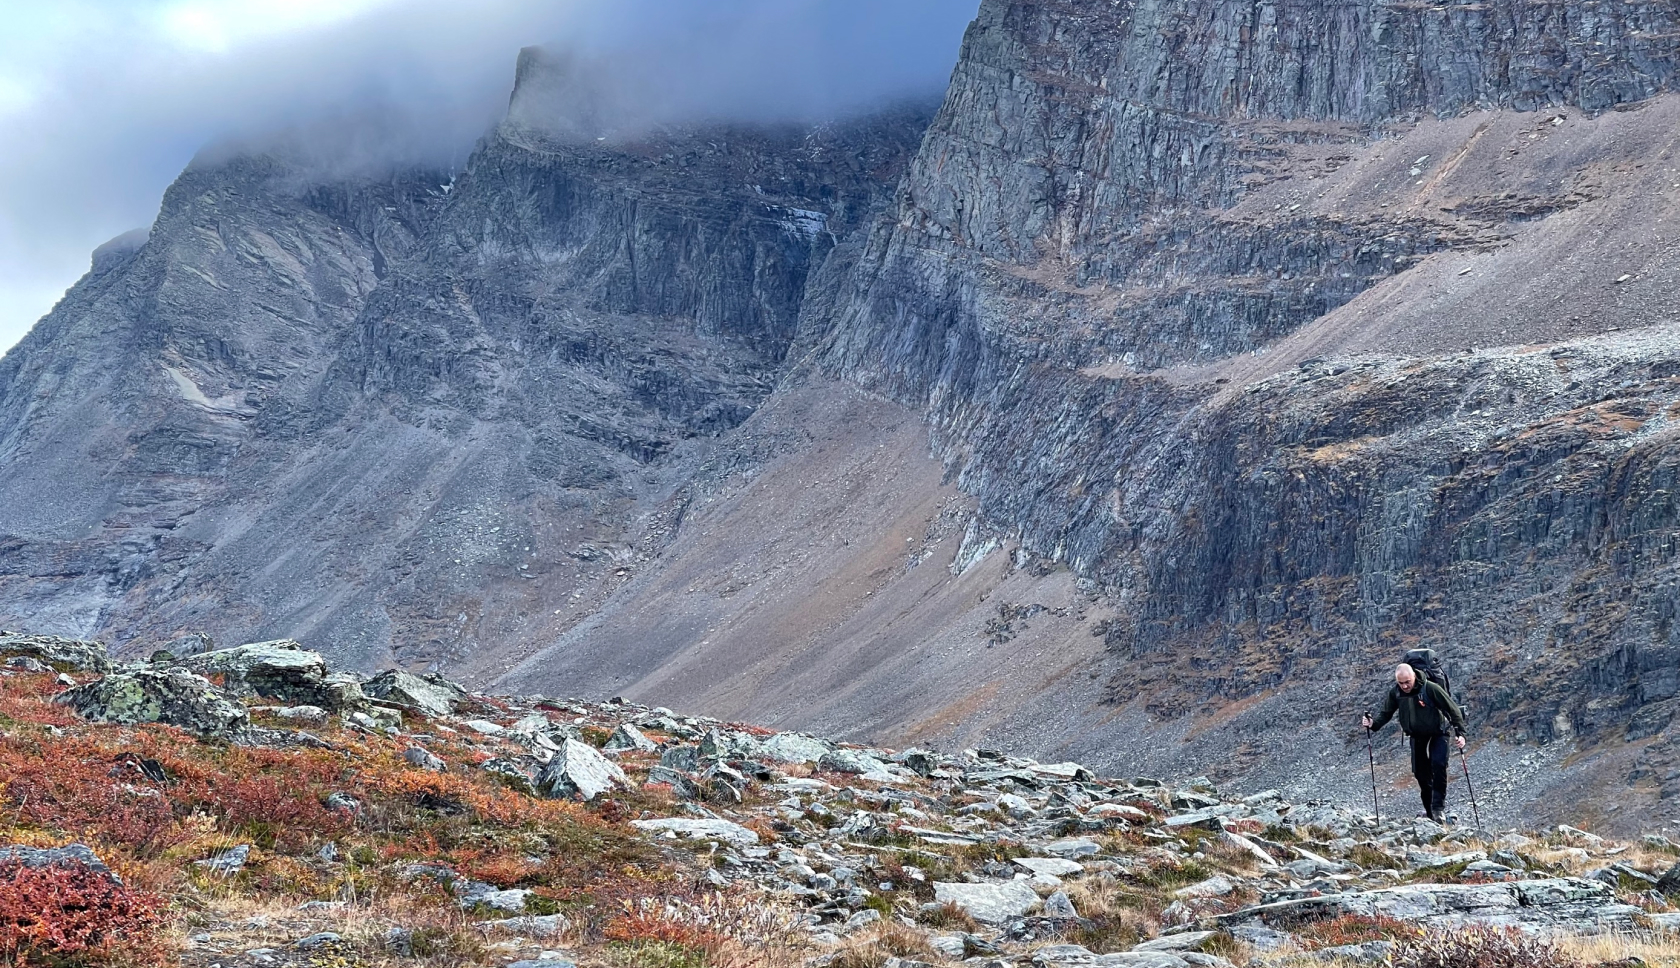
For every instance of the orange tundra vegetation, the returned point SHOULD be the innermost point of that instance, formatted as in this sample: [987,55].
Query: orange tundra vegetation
[150,800]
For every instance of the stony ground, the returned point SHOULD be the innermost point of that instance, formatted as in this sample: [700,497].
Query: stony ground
[272,812]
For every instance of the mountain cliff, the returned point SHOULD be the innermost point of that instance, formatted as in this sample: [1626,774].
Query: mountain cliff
[1199,358]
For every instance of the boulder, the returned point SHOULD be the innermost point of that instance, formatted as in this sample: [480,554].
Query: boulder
[794,748]
[432,695]
[1054,866]
[1216,886]
[682,785]
[282,670]
[70,855]
[425,759]
[228,862]
[175,697]
[695,828]
[1183,941]
[1072,847]
[990,903]
[685,759]
[627,737]
[61,654]
[719,744]
[579,772]
[849,761]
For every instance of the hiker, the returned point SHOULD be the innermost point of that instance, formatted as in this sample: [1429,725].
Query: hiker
[1426,710]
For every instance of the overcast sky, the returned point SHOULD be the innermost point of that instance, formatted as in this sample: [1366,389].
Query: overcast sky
[103,102]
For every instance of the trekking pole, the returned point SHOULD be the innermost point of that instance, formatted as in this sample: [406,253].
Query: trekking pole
[1372,757]
[1464,761]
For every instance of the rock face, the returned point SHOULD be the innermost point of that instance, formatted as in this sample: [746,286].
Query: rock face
[174,696]
[532,355]
[1255,343]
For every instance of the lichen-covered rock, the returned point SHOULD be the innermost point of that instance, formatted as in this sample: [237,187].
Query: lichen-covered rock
[175,697]
[70,855]
[579,772]
[432,695]
[62,654]
[282,669]
[991,903]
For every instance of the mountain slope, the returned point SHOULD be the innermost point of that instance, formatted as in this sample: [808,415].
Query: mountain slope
[1256,342]
[1299,340]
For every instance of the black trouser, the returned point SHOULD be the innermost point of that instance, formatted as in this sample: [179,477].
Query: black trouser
[1429,765]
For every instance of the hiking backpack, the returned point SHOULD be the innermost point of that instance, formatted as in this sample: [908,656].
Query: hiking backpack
[1428,665]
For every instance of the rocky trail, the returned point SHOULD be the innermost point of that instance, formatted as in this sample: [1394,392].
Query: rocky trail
[250,806]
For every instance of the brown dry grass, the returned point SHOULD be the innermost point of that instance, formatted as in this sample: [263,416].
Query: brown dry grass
[888,939]
[1657,949]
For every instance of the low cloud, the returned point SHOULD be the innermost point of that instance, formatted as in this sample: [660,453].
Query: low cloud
[97,120]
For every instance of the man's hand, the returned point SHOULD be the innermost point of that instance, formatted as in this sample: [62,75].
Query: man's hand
[1460,742]
[1365,720]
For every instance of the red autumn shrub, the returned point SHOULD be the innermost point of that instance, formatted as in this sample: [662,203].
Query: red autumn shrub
[74,916]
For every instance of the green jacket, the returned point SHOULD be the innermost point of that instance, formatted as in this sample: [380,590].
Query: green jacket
[1421,714]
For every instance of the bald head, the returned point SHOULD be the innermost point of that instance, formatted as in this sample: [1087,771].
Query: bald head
[1405,677]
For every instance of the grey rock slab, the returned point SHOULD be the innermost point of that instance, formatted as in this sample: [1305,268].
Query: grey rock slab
[1054,866]
[228,862]
[990,903]
[1207,817]
[1123,810]
[1075,955]
[681,784]
[684,759]
[1071,847]
[1071,772]
[1564,903]
[512,900]
[795,748]
[1059,905]
[627,737]
[431,695]
[850,761]
[695,828]
[174,697]
[306,714]
[424,759]
[579,772]
[1216,886]
[282,669]
[70,855]
[1182,941]
[59,653]
[543,963]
